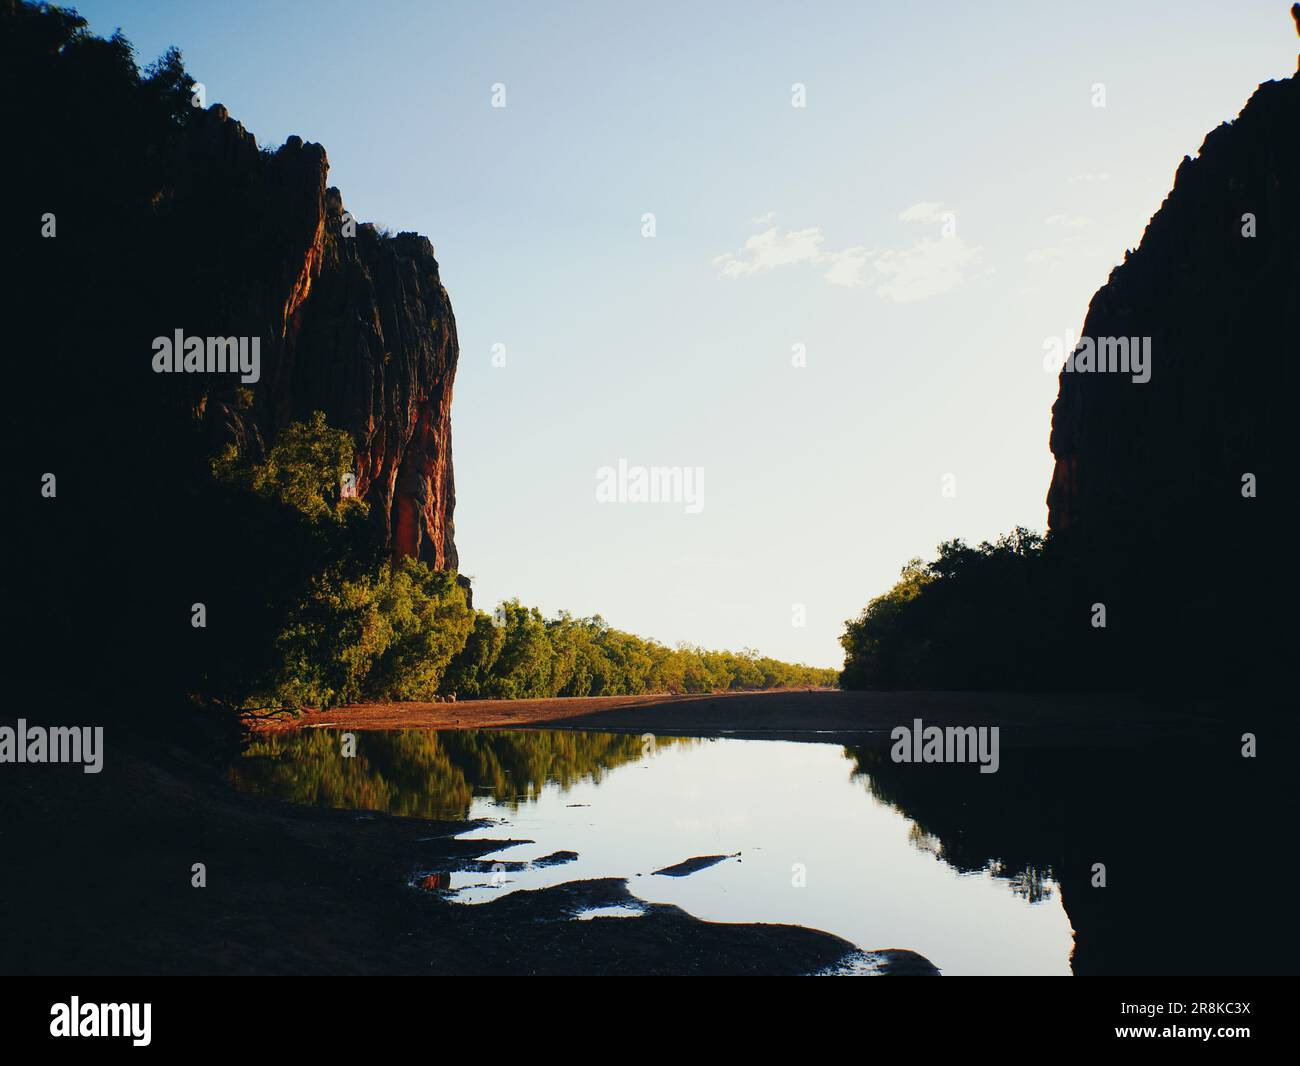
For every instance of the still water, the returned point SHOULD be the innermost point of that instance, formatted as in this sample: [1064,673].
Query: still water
[812,832]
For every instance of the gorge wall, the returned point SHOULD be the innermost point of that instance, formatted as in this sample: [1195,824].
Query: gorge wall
[166,215]
[1221,309]
[1149,485]
[137,214]
[353,323]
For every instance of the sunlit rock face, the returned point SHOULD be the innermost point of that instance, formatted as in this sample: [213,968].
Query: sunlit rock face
[354,323]
[1153,479]
[150,212]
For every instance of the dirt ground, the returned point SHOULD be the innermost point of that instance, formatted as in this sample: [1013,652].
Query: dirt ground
[793,714]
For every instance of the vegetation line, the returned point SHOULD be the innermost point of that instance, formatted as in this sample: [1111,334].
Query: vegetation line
[357,626]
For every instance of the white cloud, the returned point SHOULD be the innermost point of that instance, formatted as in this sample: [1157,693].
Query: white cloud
[765,219]
[923,211]
[849,267]
[928,268]
[769,250]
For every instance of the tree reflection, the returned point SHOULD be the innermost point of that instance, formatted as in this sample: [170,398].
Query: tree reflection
[427,774]
[962,817]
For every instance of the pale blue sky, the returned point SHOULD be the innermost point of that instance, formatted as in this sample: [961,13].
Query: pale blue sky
[924,353]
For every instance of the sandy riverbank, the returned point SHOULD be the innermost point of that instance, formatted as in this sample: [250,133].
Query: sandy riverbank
[1052,719]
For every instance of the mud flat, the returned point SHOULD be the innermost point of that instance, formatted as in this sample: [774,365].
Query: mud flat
[104,885]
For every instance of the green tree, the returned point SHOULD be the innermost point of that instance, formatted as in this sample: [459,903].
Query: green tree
[428,622]
[305,468]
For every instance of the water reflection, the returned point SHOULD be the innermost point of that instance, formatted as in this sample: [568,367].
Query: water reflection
[1177,821]
[808,839]
[424,774]
[963,817]
[971,870]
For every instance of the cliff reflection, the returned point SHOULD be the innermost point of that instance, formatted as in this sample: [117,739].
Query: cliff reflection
[1182,824]
[966,823]
[427,774]
[1170,819]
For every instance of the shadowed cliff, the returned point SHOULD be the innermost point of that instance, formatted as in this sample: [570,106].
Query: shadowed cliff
[1172,475]
[1171,490]
[353,323]
[137,214]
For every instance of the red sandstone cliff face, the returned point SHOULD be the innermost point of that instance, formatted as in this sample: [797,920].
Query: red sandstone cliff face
[170,218]
[353,323]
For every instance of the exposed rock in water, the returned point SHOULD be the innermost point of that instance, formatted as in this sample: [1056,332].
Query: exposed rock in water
[555,858]
[885,962]
[690,866]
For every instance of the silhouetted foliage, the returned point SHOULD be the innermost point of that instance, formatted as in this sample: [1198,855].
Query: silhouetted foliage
[1000,615]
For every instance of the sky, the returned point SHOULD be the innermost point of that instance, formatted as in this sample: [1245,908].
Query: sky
[843,312]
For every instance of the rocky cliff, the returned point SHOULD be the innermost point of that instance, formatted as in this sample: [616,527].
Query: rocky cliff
[1215,286]
[140,211]
[353,322]
[167,215]
[1171,491]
